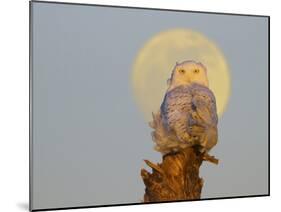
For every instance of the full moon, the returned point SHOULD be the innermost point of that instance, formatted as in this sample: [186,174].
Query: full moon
[156,59]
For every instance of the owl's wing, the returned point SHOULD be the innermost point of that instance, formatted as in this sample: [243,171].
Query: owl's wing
[204,104]
[203,121]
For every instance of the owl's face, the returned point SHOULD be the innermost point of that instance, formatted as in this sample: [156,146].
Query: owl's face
[188,72]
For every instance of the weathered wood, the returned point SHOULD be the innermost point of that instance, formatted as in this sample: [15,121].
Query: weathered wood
[176,178]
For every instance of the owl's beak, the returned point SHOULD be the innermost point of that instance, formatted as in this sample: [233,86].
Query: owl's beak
[188,80]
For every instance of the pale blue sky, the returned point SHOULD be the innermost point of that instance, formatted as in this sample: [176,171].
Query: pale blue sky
[90,139]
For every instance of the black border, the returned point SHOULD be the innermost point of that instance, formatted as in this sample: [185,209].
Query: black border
[139,8]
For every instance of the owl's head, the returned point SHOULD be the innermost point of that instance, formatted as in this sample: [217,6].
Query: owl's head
[188,72]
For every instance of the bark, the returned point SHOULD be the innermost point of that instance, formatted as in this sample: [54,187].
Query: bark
[176,178]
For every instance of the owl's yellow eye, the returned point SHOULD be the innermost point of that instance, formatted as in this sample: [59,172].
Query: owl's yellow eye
[196,71]
[182,71]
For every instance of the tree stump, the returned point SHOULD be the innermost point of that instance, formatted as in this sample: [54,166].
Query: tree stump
[176,178]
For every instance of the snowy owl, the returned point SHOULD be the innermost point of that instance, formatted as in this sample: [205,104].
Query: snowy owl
[188,114]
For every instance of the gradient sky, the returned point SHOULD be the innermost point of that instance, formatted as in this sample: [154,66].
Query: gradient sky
[89,137]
